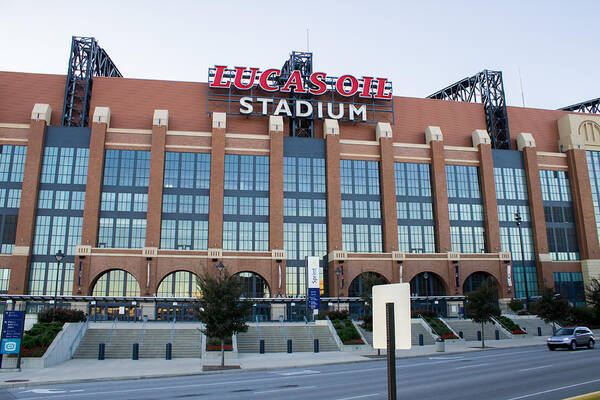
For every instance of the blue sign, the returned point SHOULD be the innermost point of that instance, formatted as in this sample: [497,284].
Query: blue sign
[12,331]
[314,298]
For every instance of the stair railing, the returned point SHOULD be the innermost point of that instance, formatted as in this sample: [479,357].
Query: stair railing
[141,335]
[308,328]
[285,336]
[173,328]
[113,327]
[258,329]
[428,327]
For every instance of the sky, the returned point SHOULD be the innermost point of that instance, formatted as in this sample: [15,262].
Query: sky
[421,45]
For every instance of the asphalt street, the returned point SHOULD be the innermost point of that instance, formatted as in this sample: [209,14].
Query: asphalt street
[509,374]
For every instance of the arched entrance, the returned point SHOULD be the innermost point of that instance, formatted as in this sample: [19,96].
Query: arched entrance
[475,280]
[178,284]
[253,285]
[359,284]
[428,284]
[115,283]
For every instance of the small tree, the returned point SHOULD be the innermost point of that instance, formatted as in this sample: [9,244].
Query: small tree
[592,294]
[551,307]
[368,281]
[481,305]
[222,310]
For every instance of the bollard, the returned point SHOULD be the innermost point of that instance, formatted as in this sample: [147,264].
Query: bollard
[461,334]
[497,334]
[478,335]
[135,354]
[539,331]
[169,351]
[289,345]
[421,339]
[316,346]
[101,347]
[261,347]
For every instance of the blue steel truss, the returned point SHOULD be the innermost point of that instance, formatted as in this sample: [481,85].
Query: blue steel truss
[590,107]
[487,88]
[86,61]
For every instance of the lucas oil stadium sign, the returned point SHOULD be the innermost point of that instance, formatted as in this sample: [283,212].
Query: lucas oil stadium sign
[297,94]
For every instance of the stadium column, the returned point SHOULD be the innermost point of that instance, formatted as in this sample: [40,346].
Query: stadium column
[384,135]
[481,140]
[435,139]
[331,131]
[217,174]
[276,204]
[526,144]
[160,125]
[576,132]
[21,256]
[93,193]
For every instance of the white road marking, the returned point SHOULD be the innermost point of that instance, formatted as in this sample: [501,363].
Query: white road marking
[359,397]
[285,389]
[45,391]
[531,369]
[304,372]
[446,358]
[554,390]
[471,366]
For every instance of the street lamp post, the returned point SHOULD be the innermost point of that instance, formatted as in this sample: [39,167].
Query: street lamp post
[426,277]
[59,257]
[220,267]
[518,220]
[338,273]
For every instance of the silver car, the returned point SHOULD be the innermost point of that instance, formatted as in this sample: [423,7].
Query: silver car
[571,338]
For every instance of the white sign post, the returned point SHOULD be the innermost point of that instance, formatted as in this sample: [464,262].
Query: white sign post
[399,294]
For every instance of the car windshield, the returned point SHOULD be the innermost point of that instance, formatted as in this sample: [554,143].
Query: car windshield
[564,332]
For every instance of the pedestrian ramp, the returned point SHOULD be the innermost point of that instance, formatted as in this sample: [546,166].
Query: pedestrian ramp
[469,329]
[530,324]
[186,343]
[276,336]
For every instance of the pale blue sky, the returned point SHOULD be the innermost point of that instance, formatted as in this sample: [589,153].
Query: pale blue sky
[422,46]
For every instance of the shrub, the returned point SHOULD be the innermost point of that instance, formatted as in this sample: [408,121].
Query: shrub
[333,315]
[438,326]
[516,305]
[37,339]
[584,316]
[424,314]
[449,336]
[508,323]
[519,332]
[61,315]
[346,331]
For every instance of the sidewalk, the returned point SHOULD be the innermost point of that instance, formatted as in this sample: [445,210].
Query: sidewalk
[118,369]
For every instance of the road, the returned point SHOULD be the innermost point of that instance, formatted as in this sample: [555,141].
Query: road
[530,373]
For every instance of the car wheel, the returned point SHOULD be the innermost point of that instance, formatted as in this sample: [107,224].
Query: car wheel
[591,344]
[573,345]
[552,348]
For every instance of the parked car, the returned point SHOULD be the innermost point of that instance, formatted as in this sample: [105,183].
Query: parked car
[572,337]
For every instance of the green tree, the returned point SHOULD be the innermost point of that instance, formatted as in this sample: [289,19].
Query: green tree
[222,311]
[551,307]
[481,305]
[592,293]
[369,279]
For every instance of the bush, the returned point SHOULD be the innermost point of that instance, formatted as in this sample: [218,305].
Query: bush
[516,305]
[37,339]
[508,323]
[346,331]
[584,316]
[439,327]
[333,315]
[424,313]
[61,315]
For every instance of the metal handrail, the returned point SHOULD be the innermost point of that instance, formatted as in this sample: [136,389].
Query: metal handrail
[81,332]
[114,326]
[309,329]
[258,328]
[285,336]
[173,328]
[429,326]
[142,330]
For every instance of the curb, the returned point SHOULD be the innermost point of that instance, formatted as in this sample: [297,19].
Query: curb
[587,396]
[234,371]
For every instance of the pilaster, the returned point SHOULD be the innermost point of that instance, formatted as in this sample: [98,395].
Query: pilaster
[217,174]
[384,135]
[434,137]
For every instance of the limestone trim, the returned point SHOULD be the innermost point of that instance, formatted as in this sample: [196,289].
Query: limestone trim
[15,126]
[14,140]
[459,148]
[20,251]
[525,140]
[375,156]
[117,144]
[331,127]
[412,158]
[102,115]
[189,133]
[161,118]
[359,142]
[337,255]
[590,269]
[42,112]
[242,136]
[579,131]
[457,161]
[548,154]
[246,150]
[275,123]
[83,250]
[480,136]
[150,251]
[183,147]
[219,120]
[383,130]
[134,131]
[433,133]
[413,145]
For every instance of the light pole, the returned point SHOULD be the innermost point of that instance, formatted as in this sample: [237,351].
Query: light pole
[426,277]
[518,220]
[59,257]
[338,273]
[220,267]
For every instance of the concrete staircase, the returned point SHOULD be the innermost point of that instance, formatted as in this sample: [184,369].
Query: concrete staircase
[416,329]
[275,341]
[186,343]
[530,325]
[470,328]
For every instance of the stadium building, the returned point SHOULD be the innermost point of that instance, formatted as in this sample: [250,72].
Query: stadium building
[116,192]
